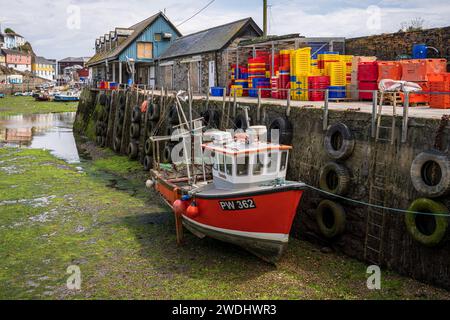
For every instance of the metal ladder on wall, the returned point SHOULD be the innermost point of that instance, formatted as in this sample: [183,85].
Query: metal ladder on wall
[373,248]
[376,218]
[390,138]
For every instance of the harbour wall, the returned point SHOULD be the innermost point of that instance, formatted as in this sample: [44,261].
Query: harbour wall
[399,251]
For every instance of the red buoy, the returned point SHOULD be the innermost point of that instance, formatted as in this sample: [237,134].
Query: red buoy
[192,211]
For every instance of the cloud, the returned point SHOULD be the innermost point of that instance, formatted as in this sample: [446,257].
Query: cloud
[44,22]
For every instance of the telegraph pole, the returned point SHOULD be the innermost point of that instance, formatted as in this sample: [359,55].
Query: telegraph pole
[265,17]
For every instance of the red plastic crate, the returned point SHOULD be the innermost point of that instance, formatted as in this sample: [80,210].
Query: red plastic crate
[368,71]
[367,85]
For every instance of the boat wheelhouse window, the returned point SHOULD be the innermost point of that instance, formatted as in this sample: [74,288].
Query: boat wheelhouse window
[258,164]
[214,160]
[242,165]
[272,162]
[222,162]
[229,165]
[283,162]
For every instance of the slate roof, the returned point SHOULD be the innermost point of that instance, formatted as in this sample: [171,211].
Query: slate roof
[42,60]
[15,52]
[138,29]
[213,39]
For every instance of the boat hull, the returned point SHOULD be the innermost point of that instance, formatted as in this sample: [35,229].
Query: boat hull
[258,220]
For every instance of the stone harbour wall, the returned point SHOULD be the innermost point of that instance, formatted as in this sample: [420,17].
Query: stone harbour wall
[400,252]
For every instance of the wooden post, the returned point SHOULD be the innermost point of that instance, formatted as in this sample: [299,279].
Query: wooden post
[325,111]
[374,113]
[405,118]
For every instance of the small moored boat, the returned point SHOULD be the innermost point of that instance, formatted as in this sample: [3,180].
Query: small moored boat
[68,97]
[247,202]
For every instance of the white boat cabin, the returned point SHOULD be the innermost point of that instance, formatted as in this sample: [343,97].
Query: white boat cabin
[244,161]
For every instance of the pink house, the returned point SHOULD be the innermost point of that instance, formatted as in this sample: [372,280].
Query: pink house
[17,60]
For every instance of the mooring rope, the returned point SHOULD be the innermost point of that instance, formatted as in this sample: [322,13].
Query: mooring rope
[441,214]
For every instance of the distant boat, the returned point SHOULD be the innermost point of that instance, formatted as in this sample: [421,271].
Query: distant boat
[68,97]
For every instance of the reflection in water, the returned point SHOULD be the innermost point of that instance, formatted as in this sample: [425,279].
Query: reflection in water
[51,131]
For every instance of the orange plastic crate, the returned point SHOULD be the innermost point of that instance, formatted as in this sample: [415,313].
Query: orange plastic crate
[389,70]
[440,83]
[418,70]
[421,98]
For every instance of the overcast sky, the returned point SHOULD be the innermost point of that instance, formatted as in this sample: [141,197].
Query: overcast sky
[52,26]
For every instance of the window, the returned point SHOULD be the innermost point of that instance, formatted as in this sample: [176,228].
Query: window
[283,162]
[145,50]
[272,162]
[242,165]
[258,164]
[158,37]
[229,165]
[222,162]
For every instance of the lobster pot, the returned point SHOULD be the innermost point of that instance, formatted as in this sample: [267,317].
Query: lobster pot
[274,86]
[320,83]
[337,92]
[337,73]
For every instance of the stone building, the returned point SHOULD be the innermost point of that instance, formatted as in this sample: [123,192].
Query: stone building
[205,54]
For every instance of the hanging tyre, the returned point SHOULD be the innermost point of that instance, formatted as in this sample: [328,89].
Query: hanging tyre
[119,130]
[116,144]
[132,150]
[173,116]
[284,130]
[430,173]
[148,147]
[240,122]
[149,129]
[148,163]
[136,115]
[121,115]
[153,111]
[135,130]
[339,142]
[167,153]
[103,99]
[211,119]
[330,217]
[427,229]
[122,102]
[335,178]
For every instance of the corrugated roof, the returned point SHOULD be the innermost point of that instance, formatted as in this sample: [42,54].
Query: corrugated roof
[138,29]
[213,39]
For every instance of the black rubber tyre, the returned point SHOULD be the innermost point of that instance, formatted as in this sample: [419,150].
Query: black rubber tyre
[135,130]
[116,144]
[428,230]
[119,129]
[122,102]
[339,142]
[330,217]
[121,115]
[173,115]
[167,153]
[240,122]
[136,115]
[430,173]
[132,150]
[105,115]
[284,127]
[335,178]
[103,99]
[149,128]
[211,119]
[148,147]
[153,111]
[148,163]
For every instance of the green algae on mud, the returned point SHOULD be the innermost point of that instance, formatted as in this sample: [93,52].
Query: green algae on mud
[11,105]
[54,215]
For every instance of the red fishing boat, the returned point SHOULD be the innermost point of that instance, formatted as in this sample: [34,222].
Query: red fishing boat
[242,197]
